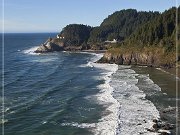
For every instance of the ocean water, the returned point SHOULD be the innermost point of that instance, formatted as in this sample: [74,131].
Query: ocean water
[66,93]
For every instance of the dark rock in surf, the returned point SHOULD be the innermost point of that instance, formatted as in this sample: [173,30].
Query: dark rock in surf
[155,121]
[157,126]
[168,126]
[150,130]
[169,109]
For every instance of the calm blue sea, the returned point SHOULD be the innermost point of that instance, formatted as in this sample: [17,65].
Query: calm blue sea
[65,93]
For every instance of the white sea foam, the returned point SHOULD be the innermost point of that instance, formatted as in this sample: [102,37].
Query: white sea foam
[3,121]
[127,112]
[143,66]
[148,83]
[45,60]
[160,69]
[31,51]
[82,125]
[44,122]
[136,113]
[91,62]
[108,124]
[130,113]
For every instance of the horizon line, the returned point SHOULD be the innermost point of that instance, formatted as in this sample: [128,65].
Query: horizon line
[25,32]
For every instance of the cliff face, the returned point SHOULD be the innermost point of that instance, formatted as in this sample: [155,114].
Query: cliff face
[152,59]
[55,45]
[50,46]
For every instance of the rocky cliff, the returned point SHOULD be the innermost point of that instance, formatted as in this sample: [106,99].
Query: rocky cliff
[50,46]
[149,57]
[56,44]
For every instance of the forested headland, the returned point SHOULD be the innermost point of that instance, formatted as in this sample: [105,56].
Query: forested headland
[129,36]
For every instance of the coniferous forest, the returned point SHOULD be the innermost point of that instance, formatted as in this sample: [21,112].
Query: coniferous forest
[126,35]
[129,27]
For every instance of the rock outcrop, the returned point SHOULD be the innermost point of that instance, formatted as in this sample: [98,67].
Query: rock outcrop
[49,46]
[136,58]
[162,128]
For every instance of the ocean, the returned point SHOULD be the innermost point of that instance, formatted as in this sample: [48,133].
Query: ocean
[67,93]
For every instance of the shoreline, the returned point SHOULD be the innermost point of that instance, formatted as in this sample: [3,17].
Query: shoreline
[145,129]
[164,100]
[96,52]
[171,71]
[158,121]
[127,58]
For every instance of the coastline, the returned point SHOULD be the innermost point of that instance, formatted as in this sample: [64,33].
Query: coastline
[146,127]
[119,77]
[164,117]
[165,99]
[95,51]
[171,71]
[108,123]
[110,93]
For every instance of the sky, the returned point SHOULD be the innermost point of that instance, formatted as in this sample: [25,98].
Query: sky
[21,16]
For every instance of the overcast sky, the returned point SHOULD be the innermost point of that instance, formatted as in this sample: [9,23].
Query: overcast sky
[53,15]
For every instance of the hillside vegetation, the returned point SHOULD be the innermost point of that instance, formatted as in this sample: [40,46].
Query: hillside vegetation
[147,38]
[120,25]
[75,34]
[157,32]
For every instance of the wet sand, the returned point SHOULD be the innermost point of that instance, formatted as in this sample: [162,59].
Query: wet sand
[166,98]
